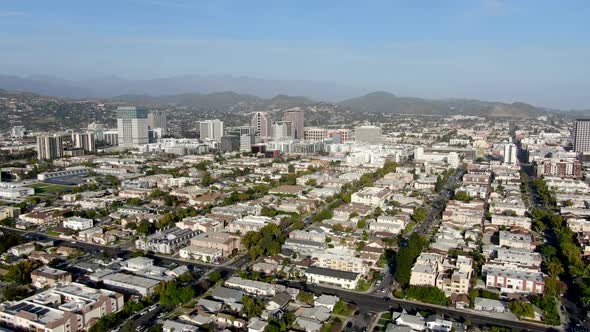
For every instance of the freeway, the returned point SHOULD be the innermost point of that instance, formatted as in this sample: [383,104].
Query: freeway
[371,303]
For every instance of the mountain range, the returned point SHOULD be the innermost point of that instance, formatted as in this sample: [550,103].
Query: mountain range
[244,93]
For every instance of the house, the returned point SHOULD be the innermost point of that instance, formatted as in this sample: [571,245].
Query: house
[416,322]
[287,190]
[173,326]
[256,325]
[279,301]
[490,305]
[320,275]
[308,324]
[22,249]
[436,323]
[373,196]
[227,295]
[327,301]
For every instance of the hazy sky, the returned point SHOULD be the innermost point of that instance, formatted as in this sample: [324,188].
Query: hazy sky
[534,51]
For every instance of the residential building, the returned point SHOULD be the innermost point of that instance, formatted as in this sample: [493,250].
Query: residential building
[132,126]
[510,153]
[373,196]
[343,262]
[85,141]
[262,122]
[46,276]
[50,147]
[77,223]
[513,279]
[564,168]
[227,243]
[251,286]
[72,307]
[343,279]
[167,241]
[581,135]
[131,283]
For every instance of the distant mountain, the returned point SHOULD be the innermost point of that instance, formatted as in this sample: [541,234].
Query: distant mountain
[111,86]
[385,102]
[42,86]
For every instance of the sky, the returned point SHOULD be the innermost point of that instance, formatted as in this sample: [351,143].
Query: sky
[500,50]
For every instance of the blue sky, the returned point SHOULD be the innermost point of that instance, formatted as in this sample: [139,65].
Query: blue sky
[532,51]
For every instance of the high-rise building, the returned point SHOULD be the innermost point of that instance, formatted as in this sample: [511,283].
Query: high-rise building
[581,135]
[85,141]
[282,130]
[246,142]
[111,137]
[158,119]
[297,118]
[211,129]
[368,134]
[510,154]
[132,126]
[50,147]
[18,131]
[262,122]
[229,143]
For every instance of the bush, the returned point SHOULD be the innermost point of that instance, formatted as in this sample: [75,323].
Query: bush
[522,309]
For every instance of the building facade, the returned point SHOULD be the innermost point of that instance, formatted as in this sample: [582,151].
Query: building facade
[132,126]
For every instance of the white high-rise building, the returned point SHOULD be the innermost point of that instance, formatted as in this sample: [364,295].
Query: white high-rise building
[368,134]
[18,131]
[85,141]
[132,126]
[282,130]
[581,135]
[50,147]
[510,156]
[158,119]
[262,122]
[211,129]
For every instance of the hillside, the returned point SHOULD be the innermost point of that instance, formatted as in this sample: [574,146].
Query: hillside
[384,102]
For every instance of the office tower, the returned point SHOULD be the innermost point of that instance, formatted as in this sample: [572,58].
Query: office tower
[132,126]
[229,143]
[262,122]
[211,129]
[510,154]
[246,142]
[85,141]
[282,130]
[50,147]
[18,131]
[297,118]
[316,134]
[158,119]
[368,134]
[581,135]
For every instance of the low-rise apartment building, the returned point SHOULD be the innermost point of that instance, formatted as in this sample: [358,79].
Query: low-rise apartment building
[166,241]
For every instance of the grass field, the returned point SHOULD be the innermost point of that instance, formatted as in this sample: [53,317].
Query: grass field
[48,188]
